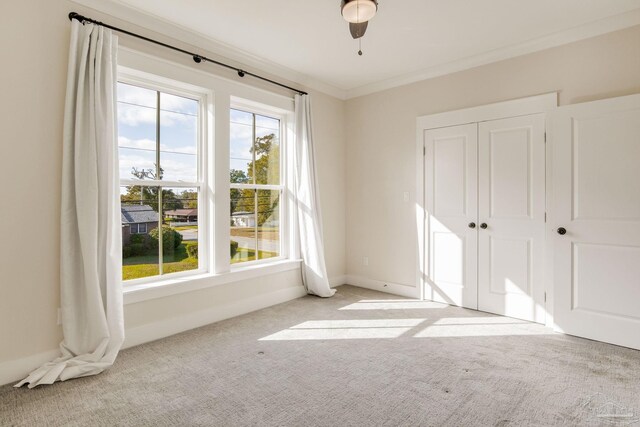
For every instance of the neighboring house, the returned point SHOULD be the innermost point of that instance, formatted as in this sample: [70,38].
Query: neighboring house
[243,219]
[182,215]
[137,219]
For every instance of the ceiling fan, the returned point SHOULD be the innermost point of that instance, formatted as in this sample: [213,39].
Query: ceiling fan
[358,13]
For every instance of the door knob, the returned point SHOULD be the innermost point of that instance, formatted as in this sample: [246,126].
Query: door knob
[472,225]
[562,231]
[483,225]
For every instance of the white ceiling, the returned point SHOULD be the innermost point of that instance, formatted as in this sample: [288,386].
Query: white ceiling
[406,40]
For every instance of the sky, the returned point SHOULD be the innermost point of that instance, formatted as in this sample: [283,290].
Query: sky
[241,136]
[178,133]
[137,133]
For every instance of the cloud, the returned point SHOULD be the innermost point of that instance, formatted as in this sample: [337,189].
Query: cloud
[240,137]
[135,115]
[238,131]
[178,104]
[147,144]
[136,95]
[177,167]
[137,106]
[130,159]
[131,115]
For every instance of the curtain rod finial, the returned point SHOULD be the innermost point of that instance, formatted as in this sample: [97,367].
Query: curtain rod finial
[75,15]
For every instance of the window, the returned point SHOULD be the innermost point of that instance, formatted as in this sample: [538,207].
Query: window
[181,134]
[255,186]
[159,146]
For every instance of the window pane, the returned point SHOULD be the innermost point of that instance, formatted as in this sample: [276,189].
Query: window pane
[136,95]
[242,117]
[268,223]
[153,234]
[178,104]
[243,226]
[136,163]
[240,145]
[267,150]
[180,230]
[178,146]
[139,216]
[268,123]
[136,149]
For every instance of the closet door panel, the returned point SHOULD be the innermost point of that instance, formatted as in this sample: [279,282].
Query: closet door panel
[596,220]
[451,204]
[511,199]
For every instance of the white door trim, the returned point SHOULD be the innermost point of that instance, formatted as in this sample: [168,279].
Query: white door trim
[499,110]
[518,107]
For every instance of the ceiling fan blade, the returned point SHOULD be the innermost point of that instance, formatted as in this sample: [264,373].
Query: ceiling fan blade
[358,30]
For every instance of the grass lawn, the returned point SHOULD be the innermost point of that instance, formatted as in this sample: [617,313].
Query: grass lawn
[264,233]
[185,227]
[145,266]
[245,254]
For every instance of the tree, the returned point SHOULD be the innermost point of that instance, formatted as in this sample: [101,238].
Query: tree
[236,177]
[266,167]
[266,170]
[171,239]
[144,195]
[189,199]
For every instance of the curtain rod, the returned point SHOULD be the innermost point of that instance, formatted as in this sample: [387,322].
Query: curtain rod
[196,58]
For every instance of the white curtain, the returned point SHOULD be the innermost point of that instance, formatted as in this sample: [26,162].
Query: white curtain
[309,219]
[90,264]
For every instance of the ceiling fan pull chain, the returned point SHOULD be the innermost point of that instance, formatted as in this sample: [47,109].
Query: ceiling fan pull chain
[360,46]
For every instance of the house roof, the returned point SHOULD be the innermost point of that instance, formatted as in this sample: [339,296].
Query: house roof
[183,212]
[136,214]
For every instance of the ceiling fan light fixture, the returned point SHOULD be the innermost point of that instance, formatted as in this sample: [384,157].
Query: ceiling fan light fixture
[359,11]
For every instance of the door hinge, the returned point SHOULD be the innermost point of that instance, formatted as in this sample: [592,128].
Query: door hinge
[545,217]
[545,137]
[545,297]
[424,151]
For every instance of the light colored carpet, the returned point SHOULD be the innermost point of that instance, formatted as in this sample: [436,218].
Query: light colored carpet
[361,358]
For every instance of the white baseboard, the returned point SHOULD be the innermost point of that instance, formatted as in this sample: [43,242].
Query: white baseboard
[388,287]
[336,281]
[13,371]
[167,327]
[17,369]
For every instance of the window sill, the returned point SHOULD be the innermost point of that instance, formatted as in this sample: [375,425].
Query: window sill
[144,292]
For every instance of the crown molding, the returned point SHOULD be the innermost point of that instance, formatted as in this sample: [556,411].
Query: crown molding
[183,34]
[584,31]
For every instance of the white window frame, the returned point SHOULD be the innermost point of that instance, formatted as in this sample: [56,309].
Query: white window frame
[222,94]
[202,95]
[283,214]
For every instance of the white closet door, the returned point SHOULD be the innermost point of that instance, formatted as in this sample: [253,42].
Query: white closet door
[596,205]
[511,170]
[451,201]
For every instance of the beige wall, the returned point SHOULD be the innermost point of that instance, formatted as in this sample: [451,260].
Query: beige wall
[381,136]
[34,39]
[364,167]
